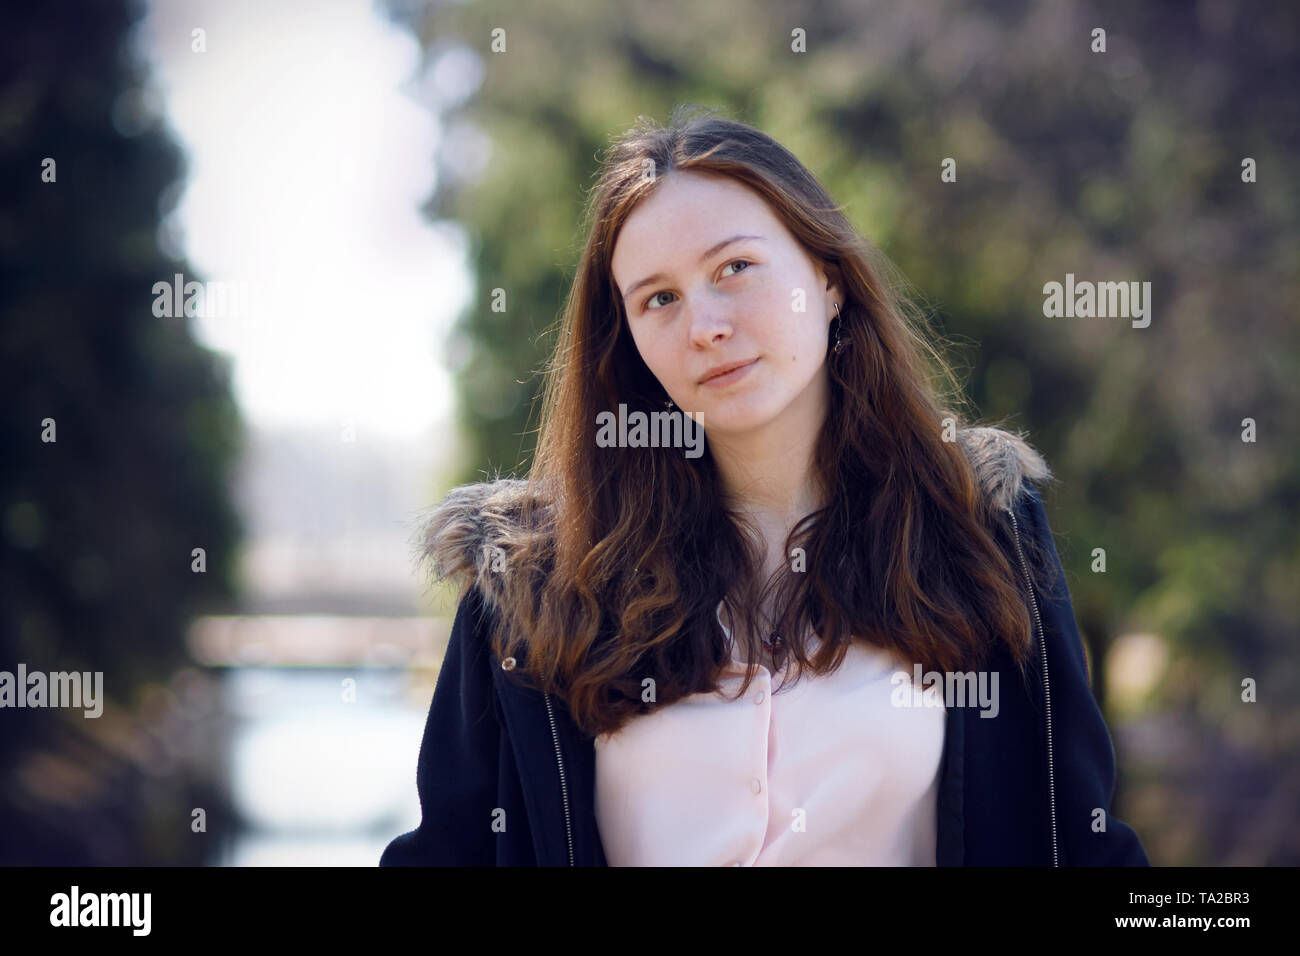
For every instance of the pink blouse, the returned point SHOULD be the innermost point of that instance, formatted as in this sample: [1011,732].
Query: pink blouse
[825,773]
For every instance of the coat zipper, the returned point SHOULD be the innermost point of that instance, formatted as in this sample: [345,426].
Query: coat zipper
[564,787]
[1047,692]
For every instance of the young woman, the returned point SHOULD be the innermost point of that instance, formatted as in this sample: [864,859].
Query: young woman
[839,636]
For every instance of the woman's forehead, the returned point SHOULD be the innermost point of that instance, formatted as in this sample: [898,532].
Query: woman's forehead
[694,216]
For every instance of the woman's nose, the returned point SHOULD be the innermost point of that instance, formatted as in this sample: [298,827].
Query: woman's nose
[709,321]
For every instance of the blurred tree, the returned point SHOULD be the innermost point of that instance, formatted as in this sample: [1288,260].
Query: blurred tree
[119,433]
[1117,165]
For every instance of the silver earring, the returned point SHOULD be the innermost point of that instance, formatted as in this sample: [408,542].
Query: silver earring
[838,346]
[668,404]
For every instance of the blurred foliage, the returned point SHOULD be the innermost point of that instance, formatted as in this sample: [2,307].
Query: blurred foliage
[97,527]
[1115,166]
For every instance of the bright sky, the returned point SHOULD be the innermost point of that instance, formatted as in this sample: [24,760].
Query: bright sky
[307,167]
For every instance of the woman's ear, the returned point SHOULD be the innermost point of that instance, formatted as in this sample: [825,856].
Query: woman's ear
[834,279]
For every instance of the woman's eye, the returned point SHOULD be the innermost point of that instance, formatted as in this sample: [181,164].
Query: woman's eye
[650,302]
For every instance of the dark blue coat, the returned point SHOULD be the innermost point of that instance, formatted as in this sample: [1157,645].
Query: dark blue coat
[1004,799]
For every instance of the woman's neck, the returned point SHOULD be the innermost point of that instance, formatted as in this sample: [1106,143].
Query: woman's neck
[774,490]
[767,473]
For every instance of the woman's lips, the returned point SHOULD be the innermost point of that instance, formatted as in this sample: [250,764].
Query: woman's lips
[735,375]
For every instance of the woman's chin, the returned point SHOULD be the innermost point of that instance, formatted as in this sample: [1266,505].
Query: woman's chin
[723,419]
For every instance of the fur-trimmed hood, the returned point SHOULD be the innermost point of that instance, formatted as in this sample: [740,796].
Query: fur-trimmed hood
[472,519]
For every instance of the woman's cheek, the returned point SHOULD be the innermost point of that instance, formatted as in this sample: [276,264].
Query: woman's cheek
[667,366]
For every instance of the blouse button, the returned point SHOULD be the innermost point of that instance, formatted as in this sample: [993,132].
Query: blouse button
[758,698]
[756,785]
[508,664]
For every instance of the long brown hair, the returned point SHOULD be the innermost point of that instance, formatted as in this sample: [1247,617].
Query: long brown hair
[620,559]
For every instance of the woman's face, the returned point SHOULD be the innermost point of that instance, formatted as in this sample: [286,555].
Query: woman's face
[713,299]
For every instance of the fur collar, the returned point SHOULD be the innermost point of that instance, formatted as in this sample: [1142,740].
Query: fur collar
[456,534]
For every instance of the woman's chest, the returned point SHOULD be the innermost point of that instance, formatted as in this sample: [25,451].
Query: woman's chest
[734,770]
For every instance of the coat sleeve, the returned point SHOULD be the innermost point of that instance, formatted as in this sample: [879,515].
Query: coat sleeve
[1083,754]
[456,772]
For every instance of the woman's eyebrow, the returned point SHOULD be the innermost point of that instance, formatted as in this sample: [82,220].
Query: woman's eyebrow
[704,257]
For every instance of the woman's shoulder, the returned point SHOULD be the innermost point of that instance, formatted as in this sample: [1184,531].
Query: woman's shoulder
[468,536]
[1005,465]
[1011,474]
